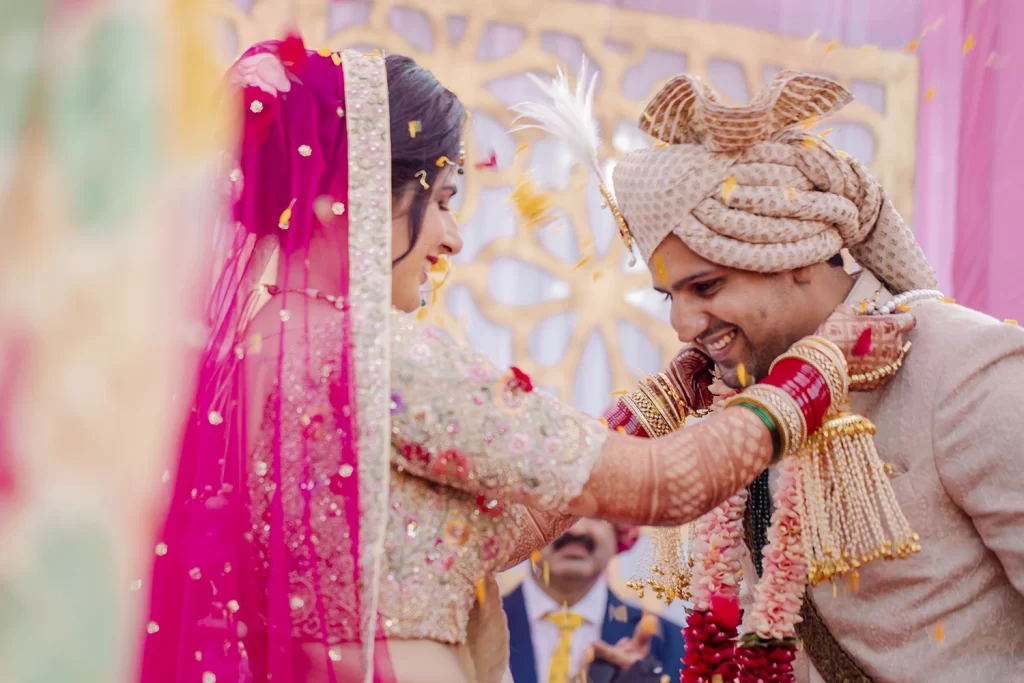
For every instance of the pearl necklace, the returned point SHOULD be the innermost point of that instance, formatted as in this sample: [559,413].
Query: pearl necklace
[873,308]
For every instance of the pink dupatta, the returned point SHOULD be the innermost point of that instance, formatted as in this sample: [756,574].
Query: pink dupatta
[314,155]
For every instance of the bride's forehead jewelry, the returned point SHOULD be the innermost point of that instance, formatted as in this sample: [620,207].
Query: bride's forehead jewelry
[462,156]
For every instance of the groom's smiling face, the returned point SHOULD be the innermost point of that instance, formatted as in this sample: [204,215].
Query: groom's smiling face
[735,316]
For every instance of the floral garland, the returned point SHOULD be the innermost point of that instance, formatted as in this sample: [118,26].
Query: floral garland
[712,627]
[765,654]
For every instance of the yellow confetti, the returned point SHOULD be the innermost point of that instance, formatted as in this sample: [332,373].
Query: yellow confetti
[535,556]
[832,45]
[481,592]
[598,274]
[621,392]
[582,262]
[534,206]
[969,44]
[813,37]
[853,584]
[1011,321]
[546,570]
[648,118]
[375,53]
[913,45]
[659,144]
[414,127]
[842,153]
[336,58]
[603,421]
[929,94]
[863,306]
[433,295]
[809,123]
[422,175]
[904,309]
[825,132]
[620,430]
[286,216]
[947,300]
[835,589]
[939,632]
[649,624]
[790,192]
[520,148]
[324,52]
[809,143]
[441,266]
[727,188]
[422,313]
[742,376]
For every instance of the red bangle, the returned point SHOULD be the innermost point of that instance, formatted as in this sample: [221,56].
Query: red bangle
[805,384]
[619,418]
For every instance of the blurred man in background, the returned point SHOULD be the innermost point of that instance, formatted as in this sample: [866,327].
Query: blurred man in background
[564,613]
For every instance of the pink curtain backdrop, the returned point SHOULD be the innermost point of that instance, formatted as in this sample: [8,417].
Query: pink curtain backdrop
[969,136]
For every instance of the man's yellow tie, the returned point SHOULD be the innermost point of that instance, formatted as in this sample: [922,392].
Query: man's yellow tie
[567,622]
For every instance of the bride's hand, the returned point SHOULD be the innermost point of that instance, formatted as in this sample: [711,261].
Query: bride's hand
[690,372]
[869,342]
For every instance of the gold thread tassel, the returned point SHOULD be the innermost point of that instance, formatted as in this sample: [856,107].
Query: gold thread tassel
[666,570]
[851,515]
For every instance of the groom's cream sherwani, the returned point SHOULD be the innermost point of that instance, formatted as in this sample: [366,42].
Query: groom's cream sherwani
[951,425]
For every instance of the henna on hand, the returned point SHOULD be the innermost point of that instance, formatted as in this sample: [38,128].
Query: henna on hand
[691,373]
[845,328]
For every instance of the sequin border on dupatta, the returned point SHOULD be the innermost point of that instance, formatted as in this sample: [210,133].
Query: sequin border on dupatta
[369,210]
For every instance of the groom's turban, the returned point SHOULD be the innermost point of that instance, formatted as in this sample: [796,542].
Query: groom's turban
[747,188]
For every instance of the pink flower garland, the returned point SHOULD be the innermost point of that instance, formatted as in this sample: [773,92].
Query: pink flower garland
[780,592]
[766,654]
[711,629]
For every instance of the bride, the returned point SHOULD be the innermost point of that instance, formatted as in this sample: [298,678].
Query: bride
[350,480]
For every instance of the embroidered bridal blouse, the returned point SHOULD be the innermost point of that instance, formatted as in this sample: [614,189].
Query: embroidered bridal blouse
[471,447]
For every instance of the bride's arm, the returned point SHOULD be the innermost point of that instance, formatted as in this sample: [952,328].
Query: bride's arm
[461,422]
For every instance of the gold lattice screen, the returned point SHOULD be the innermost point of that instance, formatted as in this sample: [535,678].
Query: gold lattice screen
[617,41]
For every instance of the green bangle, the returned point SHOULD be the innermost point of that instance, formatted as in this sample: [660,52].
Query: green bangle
[769,422]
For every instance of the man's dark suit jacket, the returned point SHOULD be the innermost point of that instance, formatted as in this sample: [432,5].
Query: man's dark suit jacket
[667,646]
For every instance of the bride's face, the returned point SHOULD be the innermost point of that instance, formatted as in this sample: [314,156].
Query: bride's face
[438,237]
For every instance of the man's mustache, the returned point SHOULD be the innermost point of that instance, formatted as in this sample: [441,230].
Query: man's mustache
[585,540]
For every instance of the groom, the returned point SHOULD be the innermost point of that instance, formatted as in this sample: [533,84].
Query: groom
[741,218]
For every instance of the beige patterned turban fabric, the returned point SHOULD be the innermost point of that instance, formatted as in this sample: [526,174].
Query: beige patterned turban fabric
[748,188]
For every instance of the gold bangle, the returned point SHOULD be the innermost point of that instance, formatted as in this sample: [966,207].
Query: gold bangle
[648,389]
[661,414]
[781,406]
[670,390]
[646,414]
[785,438]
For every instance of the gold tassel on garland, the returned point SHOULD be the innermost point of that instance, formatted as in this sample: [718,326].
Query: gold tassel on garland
[851,515]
